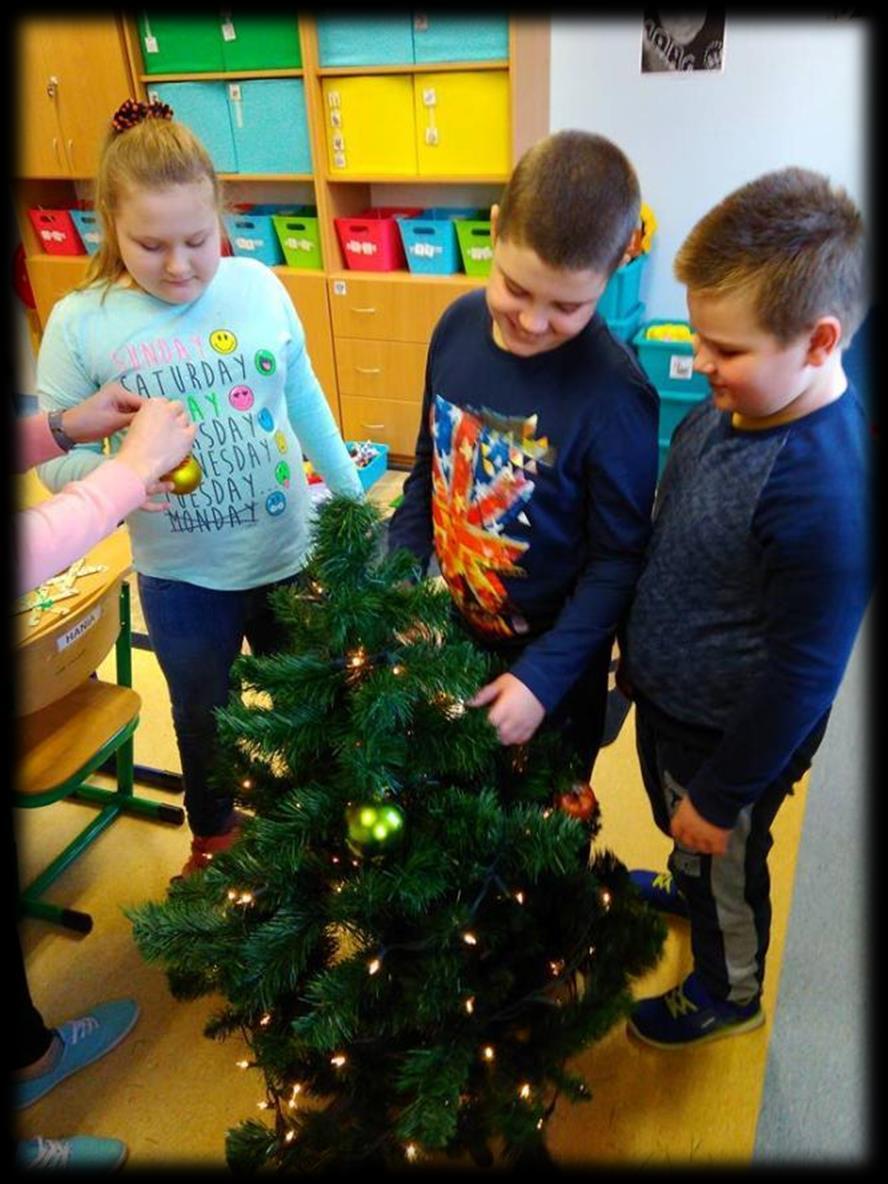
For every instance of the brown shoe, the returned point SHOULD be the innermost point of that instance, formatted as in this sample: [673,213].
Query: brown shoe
[203,848]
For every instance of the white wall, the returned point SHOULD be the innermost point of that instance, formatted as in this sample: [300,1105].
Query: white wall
[791,92]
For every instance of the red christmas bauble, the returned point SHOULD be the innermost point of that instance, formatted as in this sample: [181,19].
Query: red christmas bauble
[579,801]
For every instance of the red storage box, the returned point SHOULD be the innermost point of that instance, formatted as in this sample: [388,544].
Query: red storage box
[371,241]
[57,232]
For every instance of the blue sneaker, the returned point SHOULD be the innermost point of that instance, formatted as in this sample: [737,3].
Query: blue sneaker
[689,1015]
[80,1153]
[659,890]
[84,1040]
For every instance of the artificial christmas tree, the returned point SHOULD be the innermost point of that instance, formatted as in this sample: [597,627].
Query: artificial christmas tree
[414,933]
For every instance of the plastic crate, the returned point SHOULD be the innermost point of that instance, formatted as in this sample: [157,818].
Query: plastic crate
[254,236]
[56,232]
[371,241]
[88,228]
[626,327]
[475,245]
[669,364]
[300,239]
[370,473]
[621,296]
[430,241]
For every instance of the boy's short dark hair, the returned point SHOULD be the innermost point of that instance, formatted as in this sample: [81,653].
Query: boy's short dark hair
[793,242]
[574,198]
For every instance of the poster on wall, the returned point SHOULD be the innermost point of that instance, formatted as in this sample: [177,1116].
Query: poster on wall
[677,42]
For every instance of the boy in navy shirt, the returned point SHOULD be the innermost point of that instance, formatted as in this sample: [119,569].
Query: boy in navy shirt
[756,578]
[536,459]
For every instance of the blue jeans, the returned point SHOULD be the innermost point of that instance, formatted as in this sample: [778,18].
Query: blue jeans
[196,633]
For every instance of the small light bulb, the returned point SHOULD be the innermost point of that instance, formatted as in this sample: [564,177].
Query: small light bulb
[243,1064]
[374,966]
[289,1137]
[519,896]
[338,1061]
[398,669]
[488,1052]
[524,1091]
[410,1151]
[606,898]
[470,939]
[266,1020]
[470,1005]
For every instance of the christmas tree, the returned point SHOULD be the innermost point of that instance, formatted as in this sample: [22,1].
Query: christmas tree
[415,932]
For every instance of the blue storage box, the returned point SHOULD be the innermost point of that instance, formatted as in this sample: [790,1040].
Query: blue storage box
[88,228]
[202,106]
[269,126]
[440,38]
[365,40]
[371,472]
[254,236]
[430,241]
[626,327]
[621,296]
[669,364]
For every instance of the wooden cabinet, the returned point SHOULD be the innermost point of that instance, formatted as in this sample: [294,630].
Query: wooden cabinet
[366,332]
[381,328]
[72,74]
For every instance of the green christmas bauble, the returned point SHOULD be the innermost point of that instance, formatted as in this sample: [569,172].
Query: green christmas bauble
[374,826]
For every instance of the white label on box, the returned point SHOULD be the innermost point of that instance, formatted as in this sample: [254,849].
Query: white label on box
[229,33]
[431,136]
[77,631]
[333,98]
[151,45]
[429,96]
[338,141]
[421,22]
[340,288]
[335,118]
[339,160]
[681,366]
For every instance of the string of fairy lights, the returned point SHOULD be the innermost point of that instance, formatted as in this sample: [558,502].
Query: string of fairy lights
[375,823]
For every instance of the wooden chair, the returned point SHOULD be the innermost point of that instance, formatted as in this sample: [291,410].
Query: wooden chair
[63,743]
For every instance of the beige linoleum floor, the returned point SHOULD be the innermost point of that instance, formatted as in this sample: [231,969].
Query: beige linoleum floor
[171,1094]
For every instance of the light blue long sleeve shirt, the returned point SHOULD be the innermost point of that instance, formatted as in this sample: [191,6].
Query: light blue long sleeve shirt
[236,358]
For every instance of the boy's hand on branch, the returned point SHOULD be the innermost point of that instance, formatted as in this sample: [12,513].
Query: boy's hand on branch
[691,831]
[516,712]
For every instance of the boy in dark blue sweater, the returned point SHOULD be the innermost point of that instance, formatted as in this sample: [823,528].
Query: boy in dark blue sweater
[536,458]
[756,579]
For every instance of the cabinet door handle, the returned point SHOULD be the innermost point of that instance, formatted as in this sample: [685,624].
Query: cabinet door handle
[369,369]
[362,309]
[55,148]
[52,86]
[372,426]
[71,153]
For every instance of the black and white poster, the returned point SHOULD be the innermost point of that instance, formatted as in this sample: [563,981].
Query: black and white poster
[675,42]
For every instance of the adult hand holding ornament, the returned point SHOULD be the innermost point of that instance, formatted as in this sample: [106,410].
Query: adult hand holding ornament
[159,436]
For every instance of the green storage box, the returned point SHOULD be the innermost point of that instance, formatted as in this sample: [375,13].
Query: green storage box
[299,238]
[267,42]
[174,44]
[475,245]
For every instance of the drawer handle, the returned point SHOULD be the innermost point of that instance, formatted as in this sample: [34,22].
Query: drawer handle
[372,426]
[363,309]
[368,369]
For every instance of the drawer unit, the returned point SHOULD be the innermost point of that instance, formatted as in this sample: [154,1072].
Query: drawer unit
[386,420]
[391,311]
[381,369]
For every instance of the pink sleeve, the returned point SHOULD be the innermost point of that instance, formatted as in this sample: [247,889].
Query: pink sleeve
[54,533]
[35,442]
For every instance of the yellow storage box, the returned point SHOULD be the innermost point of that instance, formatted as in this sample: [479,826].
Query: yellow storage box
[370,126]
[462,123]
